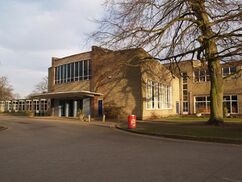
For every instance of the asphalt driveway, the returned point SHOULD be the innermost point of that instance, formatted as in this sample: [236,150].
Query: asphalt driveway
[37,150]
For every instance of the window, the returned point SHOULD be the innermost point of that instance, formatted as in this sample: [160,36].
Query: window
[68,72]
[71,72]
[76,71]
[185,107]
[202,104]
[81,70]
[228,71]
[158,95]
[185,93]
[64,74]
[201,76]
[231,103]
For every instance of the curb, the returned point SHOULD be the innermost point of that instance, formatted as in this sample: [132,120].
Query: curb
[104,125]
[184,137]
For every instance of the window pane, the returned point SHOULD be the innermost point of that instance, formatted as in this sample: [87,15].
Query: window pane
[90,69]
[234,107]
[184,76]
[200,98]
[76,71]
[234,97]
[72,72]
[85,69]
[81,70]
[207,76]
[226,98]
[225,71]
[232,70]
[64,73]
[202,75]
[196,76]
[68,72]
[185,106]
[56,75]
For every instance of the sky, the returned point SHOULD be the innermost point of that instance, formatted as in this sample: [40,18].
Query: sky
[33,31]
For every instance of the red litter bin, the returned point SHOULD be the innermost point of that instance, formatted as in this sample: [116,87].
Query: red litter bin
[131,121]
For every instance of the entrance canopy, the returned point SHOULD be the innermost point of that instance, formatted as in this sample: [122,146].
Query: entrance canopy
[67,94]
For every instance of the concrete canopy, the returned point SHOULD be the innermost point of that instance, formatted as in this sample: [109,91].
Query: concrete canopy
[67,94]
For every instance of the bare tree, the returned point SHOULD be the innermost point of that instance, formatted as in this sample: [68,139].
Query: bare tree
[6,91]
[208,30]
[42,86]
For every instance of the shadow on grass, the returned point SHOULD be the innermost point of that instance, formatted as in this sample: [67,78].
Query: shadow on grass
[228,133]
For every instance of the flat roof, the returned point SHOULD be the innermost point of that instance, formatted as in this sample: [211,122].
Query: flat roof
[67,94]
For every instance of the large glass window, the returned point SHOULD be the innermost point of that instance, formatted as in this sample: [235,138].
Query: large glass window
[71,72]
[202,104]
[158,95]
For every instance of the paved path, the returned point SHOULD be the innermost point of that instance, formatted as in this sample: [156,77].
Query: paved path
[46,150]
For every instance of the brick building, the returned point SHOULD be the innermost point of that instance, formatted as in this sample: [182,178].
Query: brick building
[195,87]
[120,83]
[117,83]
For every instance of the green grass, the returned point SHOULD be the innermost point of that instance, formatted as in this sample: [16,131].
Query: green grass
[230,132]
[194,118]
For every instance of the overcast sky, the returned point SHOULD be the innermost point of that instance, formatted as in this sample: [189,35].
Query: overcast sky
[33,31]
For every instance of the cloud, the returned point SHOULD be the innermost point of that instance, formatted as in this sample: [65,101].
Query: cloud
[33,31]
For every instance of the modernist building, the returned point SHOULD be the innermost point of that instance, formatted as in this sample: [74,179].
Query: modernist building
[195,87]
[37,106]
[117,83]
[120,83]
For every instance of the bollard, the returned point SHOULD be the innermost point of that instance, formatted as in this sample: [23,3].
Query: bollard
[104,117]
[89,118]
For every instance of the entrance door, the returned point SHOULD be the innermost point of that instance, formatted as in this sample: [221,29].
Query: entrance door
[100,107]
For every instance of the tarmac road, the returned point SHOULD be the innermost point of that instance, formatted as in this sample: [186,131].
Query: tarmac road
[46,150]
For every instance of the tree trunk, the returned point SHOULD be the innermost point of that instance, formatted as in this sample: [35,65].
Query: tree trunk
[216,93]
[214,67]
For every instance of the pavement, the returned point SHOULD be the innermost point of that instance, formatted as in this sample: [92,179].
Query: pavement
[63,150]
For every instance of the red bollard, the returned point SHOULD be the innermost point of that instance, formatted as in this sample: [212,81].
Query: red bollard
[131,121]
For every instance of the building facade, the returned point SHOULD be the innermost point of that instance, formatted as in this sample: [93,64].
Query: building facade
[114,83]
[195,88]
[37,106]
[124,82]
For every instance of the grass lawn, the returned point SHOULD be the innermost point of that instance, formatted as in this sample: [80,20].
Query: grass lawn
[194,118]
[230,132]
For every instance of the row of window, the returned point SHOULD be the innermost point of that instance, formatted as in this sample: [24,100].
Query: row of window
[202,104]
[203,75]
[185,93]
[158,95]
[24,105]
[72,72]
